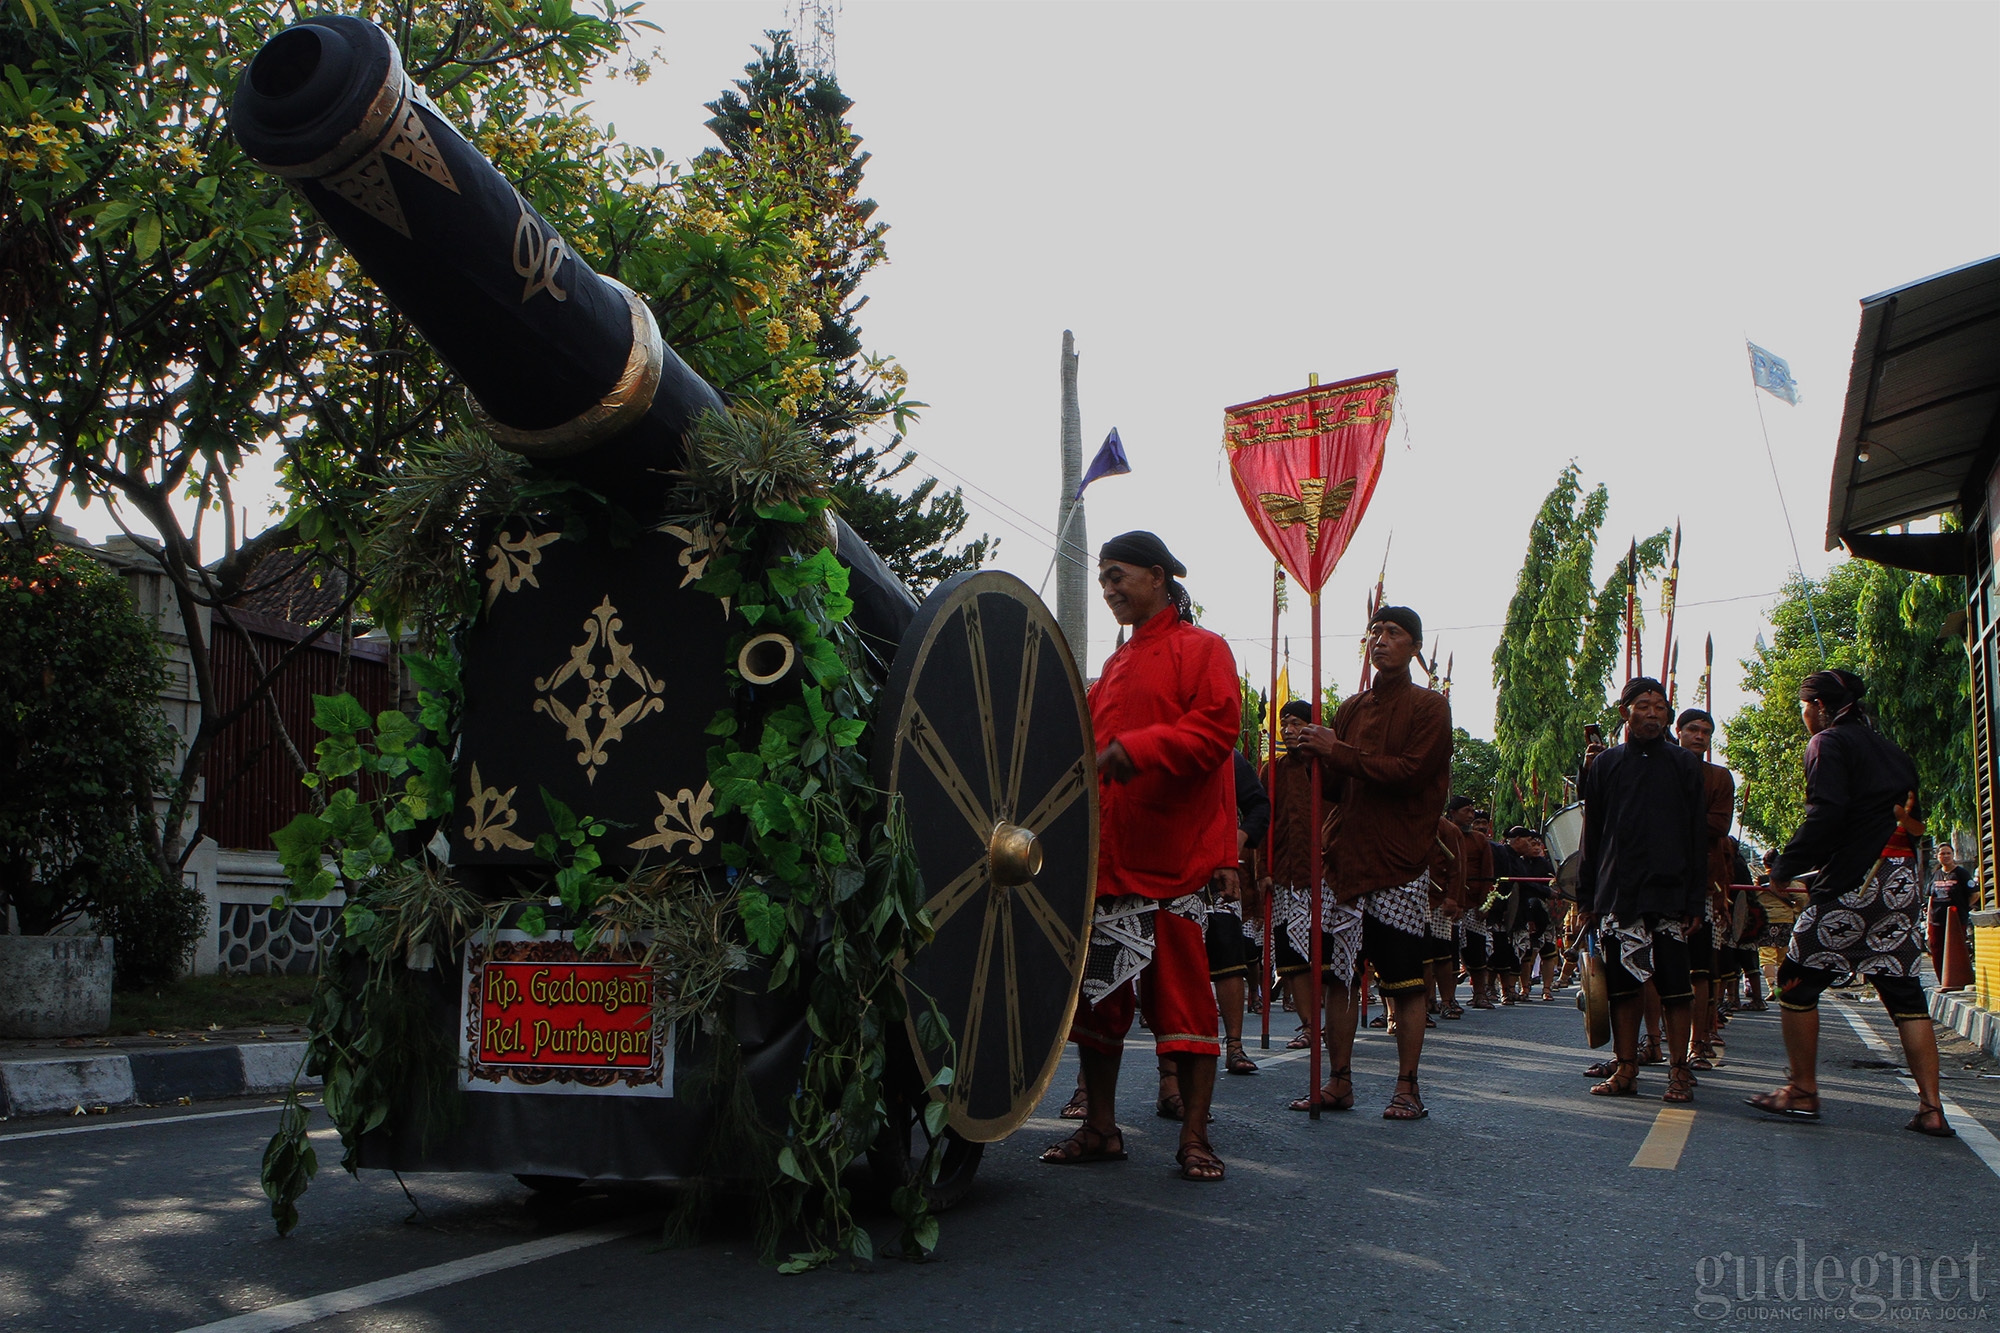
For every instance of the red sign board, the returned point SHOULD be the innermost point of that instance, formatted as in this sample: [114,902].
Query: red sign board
[566,1015]
[540,1019]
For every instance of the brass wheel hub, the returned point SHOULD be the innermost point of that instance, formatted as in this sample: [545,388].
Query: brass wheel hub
[1016,854]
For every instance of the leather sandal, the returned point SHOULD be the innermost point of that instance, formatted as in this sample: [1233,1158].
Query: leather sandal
[1602,1069]
[1085,1146]
[1787,1101]
[1329,1101]
[1680,1084]
[1624,1081]
[1942,1130]
[1199,1163]
[1077,1107]
[1236,1062]
[1406,1105]
[1649,1052]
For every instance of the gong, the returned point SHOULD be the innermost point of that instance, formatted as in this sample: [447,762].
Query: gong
[1593,998]
[985,735]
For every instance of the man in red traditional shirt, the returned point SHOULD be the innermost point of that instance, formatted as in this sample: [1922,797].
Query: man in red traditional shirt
[1166,711]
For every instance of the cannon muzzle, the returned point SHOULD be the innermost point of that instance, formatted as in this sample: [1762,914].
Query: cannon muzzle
[559,359]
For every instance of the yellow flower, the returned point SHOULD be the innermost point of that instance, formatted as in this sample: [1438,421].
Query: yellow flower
[308,288]
[809,321]
[777,337]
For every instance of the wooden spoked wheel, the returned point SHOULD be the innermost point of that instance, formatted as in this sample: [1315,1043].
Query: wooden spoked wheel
[985,735]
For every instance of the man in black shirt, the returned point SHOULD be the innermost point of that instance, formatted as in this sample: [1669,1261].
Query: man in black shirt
[1645,853]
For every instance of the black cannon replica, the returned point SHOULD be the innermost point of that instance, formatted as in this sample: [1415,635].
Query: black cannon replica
[594,669]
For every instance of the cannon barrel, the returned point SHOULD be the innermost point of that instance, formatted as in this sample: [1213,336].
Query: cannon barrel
[558,358]
[564,365]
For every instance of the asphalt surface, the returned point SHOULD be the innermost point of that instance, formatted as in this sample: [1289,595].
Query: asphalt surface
[1515,1206]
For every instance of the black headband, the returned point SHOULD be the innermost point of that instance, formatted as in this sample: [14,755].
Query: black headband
[1836,688]
[1637,686]
[1409,621]
[1143,549]
[1521,831]
[1694,715]
[1458,803]
[1297,708]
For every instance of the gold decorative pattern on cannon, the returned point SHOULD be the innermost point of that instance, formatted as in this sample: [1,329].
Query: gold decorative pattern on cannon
[537,257]
[682,818]
[365,183]
[514,561]
[703,541]
[600,630]
[1315,505]
[493,817]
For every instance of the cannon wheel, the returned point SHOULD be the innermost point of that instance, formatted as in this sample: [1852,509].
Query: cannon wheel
[986,737]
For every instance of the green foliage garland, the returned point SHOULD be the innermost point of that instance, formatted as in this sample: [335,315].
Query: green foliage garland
[828,883]
[825,881]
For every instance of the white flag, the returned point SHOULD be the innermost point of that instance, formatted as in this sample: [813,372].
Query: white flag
[1773,375]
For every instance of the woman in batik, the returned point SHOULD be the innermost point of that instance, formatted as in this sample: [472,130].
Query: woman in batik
[1861,920]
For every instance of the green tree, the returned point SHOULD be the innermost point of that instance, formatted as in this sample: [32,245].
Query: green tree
[84,745]
[1553,663]
[1475,766]
[1887,626]
[168,309]
[786,142]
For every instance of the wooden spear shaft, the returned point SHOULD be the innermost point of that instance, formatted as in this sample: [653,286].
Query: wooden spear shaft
[1271,724]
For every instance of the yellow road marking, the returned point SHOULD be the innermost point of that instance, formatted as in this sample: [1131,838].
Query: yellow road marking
[1662,1149]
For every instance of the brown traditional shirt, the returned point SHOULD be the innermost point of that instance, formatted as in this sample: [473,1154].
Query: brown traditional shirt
[1720,789]
[1479,871]
[1291,821]
[1391,762]
[1448,867]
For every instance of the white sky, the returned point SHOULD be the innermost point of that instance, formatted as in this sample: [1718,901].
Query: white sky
[1558,222]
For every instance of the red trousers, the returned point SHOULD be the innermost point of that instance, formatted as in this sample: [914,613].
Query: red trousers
[1174,989]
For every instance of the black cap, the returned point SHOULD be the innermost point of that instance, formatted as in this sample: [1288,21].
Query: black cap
[1411,623]
[1143,549]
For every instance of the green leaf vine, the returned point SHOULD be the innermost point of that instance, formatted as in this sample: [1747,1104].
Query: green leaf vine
[827,881]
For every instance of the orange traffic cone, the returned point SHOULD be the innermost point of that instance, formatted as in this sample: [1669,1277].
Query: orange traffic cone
[1957,971]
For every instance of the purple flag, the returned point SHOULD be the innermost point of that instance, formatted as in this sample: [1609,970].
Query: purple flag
[1110,462]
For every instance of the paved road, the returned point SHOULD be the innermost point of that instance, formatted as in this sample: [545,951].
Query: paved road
[1517,1205]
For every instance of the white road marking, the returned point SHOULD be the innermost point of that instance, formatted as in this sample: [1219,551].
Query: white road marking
[1970,1132]
[314,1308]
[134,1124]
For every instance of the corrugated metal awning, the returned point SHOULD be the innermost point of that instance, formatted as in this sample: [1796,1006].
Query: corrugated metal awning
[1922,422]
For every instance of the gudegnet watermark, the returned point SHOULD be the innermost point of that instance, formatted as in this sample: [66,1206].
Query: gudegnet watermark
[1877,1288]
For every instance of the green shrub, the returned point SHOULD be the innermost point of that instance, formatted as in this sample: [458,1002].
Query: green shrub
[83,747]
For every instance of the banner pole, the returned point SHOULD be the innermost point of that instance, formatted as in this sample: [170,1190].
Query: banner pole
[1315,868]
[1271,724]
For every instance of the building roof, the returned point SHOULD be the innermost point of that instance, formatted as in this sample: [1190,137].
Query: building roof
[1922,424]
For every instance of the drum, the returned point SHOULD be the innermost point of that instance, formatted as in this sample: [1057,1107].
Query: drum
[1564,833]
